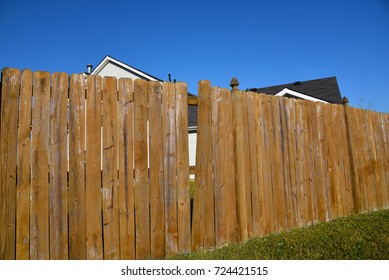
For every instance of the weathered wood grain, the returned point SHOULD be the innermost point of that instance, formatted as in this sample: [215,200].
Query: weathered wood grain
[142,216]
[8,152]
[94,233]
[203,235]
[58,167]
[77,206]
[24,168]
[157,199]
[39,193]
[182,146]
[110,166]
[170,165]
[126,169]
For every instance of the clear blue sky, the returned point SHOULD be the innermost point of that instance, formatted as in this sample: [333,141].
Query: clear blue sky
[262,43]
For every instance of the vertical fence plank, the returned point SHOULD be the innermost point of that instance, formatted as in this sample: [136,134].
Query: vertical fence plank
[362,150]
[375,177]
[349,124]
[338,120]
[354,139]
[77,207]
[346,184]
[311,136]
[39,215]
[183,191]
[380,179]
[203,235]
[336,187]
[290,118]
[253,164]
[224,179]
[8,142]
[157,201]
[267,175]
[248,191]
[217,154]
[170,163]
[93,227]
[110,179]
[368,167]
[385,131]
[142,217]
[58,167]
[300,164]
[385,159]
[260,149]
[319,162]
[330,149]
[307,167]
[126,170]
[277,170]
[24,169]
[286,187]
[242,164]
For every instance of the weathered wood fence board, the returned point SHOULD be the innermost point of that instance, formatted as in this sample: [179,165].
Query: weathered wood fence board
[99,168]
[24,157]
[39,193]
[182,147]
[157,196]
[77,201]
[8,141]
[58,167]
[203,234]
[126,167]
[142,220]
[93,228]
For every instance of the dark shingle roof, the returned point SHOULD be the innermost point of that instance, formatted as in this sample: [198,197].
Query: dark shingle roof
[326,89]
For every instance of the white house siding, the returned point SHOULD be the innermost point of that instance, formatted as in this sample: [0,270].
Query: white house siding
[113,70]
[192,141]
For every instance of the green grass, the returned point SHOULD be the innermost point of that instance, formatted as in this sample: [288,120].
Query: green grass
[363,236]
[191,186]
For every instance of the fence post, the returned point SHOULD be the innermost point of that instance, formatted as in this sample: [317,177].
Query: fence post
[346,108]
[234,84]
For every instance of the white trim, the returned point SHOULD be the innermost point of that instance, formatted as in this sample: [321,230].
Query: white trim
[108,59]
[286,91]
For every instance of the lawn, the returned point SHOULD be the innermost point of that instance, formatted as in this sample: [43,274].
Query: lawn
[364,236]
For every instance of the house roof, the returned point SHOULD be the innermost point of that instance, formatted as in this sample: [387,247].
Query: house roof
[325,89]
[108,59]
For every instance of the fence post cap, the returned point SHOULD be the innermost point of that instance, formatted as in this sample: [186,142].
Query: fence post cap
[345,101]
[234,83]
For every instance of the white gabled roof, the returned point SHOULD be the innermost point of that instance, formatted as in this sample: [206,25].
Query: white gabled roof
[110,60]
[287,91]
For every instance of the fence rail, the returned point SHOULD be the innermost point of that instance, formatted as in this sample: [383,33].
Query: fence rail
[99,168]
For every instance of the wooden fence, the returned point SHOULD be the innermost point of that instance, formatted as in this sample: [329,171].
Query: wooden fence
[136,206]
[266,164]
[99,169]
